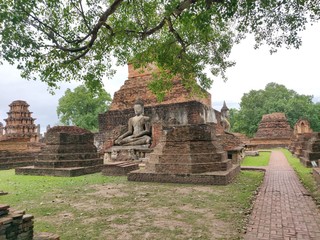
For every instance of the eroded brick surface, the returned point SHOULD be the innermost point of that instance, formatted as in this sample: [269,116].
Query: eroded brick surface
[273,131]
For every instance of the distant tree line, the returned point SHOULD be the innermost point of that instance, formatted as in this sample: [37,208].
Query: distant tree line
[81,107]
[274,98]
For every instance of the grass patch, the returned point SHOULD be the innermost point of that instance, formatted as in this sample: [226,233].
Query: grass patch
[304,174]
[100,207]
[257,161]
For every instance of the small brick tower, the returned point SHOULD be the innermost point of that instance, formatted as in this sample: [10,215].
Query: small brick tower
[19,123]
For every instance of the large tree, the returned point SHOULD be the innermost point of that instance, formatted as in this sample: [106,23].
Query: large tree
[81,107]
[58,40]
[274,98]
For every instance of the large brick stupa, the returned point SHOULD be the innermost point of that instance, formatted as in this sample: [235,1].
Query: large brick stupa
[184,146]
[274,131]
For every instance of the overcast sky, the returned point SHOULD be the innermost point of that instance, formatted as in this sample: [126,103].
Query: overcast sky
[298,70]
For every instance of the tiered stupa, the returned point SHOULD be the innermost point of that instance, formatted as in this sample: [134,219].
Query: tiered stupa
[19,138]
[273,131]
[184,147]
[19,123]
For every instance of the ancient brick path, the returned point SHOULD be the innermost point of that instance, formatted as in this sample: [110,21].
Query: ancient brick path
[283,208]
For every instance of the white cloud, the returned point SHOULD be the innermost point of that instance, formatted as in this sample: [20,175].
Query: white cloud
[297,69]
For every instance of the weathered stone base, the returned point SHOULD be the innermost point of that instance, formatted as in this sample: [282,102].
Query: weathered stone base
[58,172]
[208,178]
[119,168]
[268,143]
[9,160]
[126,153]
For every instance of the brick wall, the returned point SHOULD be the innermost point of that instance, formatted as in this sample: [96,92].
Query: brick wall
[137,87]
[114,122]
[15,224]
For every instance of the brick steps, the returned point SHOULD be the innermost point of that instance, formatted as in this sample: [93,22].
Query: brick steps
[67,156]
[68,163]
[9,160]
[58,172]
[208,178]
[6,166]
[193,167]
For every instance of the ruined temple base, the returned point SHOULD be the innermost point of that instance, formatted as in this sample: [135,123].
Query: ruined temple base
[126,153]
[9,160]
[119,168]
[207,178]
[58,172]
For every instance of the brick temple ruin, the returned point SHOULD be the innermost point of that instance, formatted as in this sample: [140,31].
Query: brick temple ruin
[68,151]
[178,123]
[302,132]
[19,138]
[273,131]
[305,144]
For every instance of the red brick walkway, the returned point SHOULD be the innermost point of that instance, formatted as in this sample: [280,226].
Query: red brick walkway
[283,208]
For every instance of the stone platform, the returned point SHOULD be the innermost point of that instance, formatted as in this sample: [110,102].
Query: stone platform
[9,160]
[69,152]
[58,172]
[188,154]
[208,178]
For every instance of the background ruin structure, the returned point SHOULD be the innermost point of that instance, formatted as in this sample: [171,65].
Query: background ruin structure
[302,132]
[19,138]
[19,123]
[274,131]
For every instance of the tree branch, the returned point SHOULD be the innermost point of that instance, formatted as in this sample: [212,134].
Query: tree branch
[83,16]
[176,34]
[81,12]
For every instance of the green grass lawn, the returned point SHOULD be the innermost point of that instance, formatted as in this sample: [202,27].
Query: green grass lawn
[257,161]
[100,207]
[305,175]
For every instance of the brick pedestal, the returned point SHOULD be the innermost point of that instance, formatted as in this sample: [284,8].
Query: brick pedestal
[188,154]
[69,151]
